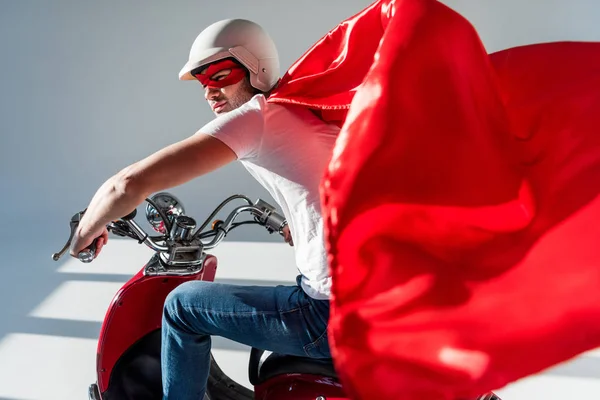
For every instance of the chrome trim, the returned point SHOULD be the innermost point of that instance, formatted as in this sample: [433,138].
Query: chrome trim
[183,228]
[169,205]
[183,255]
[229,221]
[157,267]
[144,237]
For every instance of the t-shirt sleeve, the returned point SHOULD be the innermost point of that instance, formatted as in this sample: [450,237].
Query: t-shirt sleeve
[240,129]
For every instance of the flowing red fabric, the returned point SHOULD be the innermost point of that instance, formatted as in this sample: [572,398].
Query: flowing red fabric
[461,202]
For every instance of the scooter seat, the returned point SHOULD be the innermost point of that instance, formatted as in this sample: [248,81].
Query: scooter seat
[265,365]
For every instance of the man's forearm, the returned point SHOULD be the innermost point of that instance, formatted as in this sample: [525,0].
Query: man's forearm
[171,166]
[116,198]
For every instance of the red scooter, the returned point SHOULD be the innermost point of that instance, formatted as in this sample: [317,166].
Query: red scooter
[128,357]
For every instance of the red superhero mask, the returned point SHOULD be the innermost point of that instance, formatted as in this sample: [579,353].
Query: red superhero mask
[237,74]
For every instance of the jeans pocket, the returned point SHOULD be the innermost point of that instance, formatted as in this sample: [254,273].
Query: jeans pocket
[319,348]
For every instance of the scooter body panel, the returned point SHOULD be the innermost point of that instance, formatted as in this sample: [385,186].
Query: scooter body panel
[135,311]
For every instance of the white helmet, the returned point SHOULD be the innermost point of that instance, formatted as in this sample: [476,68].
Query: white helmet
[243,40]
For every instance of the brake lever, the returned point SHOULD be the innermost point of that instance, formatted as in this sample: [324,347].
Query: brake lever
[75,219]
[86,255]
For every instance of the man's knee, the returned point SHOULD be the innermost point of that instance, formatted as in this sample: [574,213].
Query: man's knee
[185,302]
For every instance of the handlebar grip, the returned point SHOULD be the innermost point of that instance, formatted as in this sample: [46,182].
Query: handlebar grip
[88,255]
[276,222]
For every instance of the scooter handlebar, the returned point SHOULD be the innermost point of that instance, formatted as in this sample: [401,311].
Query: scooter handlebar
[263,212]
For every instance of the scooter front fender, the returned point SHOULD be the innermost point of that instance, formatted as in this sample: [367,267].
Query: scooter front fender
[135,311]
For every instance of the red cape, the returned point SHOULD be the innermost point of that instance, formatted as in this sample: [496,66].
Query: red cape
[461,203]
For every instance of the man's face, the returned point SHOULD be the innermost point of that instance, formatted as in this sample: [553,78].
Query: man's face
[226,86]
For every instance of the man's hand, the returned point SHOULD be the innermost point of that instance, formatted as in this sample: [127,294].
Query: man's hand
[287,235]
[82,241]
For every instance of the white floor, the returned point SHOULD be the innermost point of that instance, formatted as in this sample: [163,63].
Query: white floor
[48,338]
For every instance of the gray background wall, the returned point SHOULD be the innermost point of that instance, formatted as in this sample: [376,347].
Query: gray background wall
[88,87]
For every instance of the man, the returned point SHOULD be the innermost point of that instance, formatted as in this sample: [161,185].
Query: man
[286,148]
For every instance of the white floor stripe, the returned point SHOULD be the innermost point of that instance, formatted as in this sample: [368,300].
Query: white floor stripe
[234,363]
[38,367]
[78,300]
[119,257]
[237,260]
[258,261]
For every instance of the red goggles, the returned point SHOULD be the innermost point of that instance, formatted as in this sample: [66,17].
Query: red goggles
[236,74]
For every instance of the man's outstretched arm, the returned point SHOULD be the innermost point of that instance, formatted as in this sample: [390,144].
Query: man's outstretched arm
[169,167]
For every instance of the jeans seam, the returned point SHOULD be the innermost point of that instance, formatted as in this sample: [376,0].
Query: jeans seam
[229,313]
[315,343]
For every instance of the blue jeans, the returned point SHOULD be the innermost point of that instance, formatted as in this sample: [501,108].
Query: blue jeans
[282,319]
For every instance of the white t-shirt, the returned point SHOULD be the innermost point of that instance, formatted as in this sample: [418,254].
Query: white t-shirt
[286,148]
